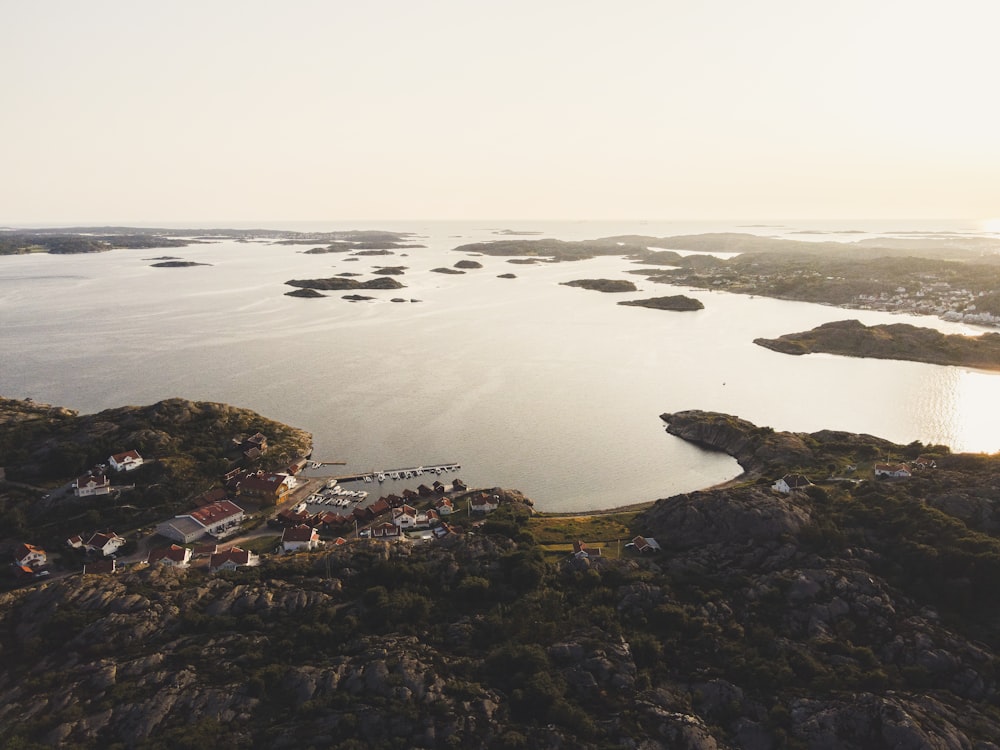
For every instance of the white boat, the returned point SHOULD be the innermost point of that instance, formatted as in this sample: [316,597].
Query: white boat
[381,477]
[420,471]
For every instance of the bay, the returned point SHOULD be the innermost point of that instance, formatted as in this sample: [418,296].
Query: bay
[552,390]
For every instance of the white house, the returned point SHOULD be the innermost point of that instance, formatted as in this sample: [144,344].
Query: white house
[177,557]
[444,506]
[233,558]
[92,483]
[30,556]
[405,517]
[127,461]
[220,519]
[790,482]
[895,471]
[484,503]
[106,543]
[299,537]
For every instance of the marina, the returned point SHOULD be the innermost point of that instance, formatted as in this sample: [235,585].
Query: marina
[383,475]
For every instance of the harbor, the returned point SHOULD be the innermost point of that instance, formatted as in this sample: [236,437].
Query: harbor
[383,475]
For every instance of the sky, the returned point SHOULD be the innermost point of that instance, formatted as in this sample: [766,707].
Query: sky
[133,111]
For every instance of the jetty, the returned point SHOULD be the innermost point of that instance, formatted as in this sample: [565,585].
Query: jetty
[382,475]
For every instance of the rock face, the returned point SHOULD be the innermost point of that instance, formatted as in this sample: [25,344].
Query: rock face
[746,514]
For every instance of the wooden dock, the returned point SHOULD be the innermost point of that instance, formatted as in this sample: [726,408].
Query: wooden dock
[411,472]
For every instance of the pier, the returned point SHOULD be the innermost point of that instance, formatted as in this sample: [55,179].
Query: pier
[396,474]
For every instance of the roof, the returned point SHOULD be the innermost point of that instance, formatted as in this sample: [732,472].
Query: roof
[263,482]
[109,565]
[184,525]
[234,555]
[100,539]
[92,477]
[173,552]
[24,550]
[211,514]
[300,533]
[796,480]
[132,455]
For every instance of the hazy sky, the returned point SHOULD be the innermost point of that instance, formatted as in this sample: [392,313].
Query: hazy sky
[130,110]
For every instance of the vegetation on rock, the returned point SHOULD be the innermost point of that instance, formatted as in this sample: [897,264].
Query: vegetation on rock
[677,302]
[898,341]
[613,286]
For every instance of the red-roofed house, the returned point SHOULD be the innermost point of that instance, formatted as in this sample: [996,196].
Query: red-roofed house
[385,530]
[644,544]
[233,558]
[405,517]
[444,506]
[92,483]
[29,556]
[219,519]
[484,503]
[177,557]
[299,537]
[127,461]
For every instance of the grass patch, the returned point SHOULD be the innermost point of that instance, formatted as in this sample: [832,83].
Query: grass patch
[560,530]
[261,544]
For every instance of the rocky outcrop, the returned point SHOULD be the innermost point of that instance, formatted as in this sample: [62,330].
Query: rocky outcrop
[339,283]
[676,302]
[612,286]
[753,447]
[740,515]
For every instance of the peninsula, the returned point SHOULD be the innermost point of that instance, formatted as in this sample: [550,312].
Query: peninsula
[898,341]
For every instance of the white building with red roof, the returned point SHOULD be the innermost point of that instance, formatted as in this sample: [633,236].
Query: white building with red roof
[299,537]
[92,483]
[174,556]
[127,461]
[220,519]
[30,556]
[233,558]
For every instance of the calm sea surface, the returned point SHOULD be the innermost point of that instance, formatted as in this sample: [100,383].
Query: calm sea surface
[549,389]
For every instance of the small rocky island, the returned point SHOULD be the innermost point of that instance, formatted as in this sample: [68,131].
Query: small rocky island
[611,286]
[339,283]
[177,264]
[897,341]
[677,302]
